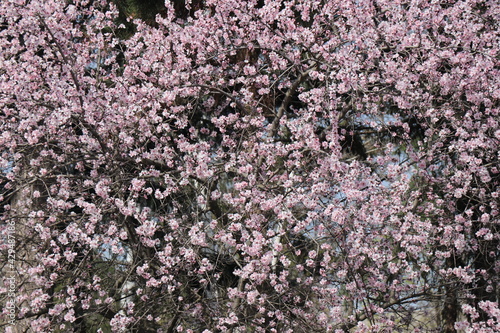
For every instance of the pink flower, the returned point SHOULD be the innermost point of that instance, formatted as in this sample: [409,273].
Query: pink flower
[70,316]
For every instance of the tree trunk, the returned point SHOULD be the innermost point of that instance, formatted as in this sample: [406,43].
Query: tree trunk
[450,311]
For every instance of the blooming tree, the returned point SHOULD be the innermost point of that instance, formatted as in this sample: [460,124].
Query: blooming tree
[267,166]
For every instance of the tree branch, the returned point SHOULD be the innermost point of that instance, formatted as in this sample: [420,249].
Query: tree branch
[288,98]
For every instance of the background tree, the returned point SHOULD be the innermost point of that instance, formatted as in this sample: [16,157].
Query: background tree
[264,166]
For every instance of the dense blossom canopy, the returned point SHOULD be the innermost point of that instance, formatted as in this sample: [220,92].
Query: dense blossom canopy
[251,166]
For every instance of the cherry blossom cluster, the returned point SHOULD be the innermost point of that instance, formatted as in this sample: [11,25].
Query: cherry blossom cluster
[273,166]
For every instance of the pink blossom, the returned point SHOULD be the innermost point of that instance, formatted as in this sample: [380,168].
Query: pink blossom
[250,165]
